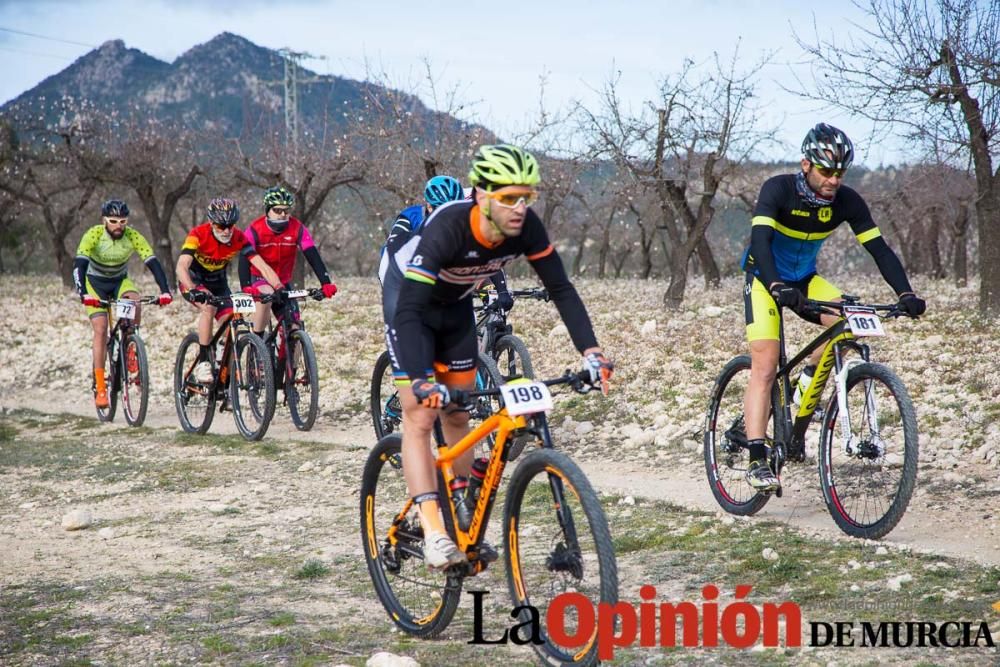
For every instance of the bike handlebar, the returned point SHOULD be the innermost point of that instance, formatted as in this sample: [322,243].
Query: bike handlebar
[538,293]
[314,293]
[579,381]
[837,307]
[144,299]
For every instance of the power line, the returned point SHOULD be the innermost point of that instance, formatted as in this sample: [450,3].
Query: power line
[34,53]
[51,39]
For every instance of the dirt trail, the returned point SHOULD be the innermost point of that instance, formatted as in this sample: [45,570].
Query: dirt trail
[950,521]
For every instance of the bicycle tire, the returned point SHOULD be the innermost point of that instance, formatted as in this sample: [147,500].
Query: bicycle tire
[252,378]
[187,390]
[135,384]
[512,358]
[421,602]
[540,559]
[381,405]
[845,478]
[300,347]
[725,459]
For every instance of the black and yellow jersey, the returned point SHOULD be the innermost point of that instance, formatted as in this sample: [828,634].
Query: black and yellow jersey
[800,230]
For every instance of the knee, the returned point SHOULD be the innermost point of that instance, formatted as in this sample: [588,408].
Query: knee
[457,419]
[762,374]
[419,420]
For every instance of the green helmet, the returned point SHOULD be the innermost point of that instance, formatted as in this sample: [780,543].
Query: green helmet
[502,164]
[277,196]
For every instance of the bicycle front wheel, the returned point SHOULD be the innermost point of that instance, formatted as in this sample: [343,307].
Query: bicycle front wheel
[868,480]
[387,412]
[302,388]
[556,540]
[195,402]
[512,358]
[251,386]
[134,370]
[420,601]
[726,453]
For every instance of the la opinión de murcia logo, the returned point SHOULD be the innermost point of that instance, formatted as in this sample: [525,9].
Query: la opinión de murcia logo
[572,620]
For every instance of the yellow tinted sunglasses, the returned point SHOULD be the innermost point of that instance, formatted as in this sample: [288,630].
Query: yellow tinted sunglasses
[513,199]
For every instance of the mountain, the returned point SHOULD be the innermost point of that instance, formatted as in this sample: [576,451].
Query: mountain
[228,84]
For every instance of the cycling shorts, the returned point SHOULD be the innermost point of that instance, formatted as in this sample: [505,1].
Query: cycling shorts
[456,346]
[107,289]
[762,312]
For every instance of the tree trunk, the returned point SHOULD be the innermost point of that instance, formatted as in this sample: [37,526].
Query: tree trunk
[988,213]
[712,276]
[960,244]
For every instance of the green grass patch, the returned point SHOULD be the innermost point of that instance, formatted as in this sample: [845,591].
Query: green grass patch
[311,569]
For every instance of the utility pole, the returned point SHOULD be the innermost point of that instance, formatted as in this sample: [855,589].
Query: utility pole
[291,84]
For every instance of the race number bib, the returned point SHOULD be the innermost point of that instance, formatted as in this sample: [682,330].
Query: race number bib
[125,310]
[525,398]
[864,322]
[243,304]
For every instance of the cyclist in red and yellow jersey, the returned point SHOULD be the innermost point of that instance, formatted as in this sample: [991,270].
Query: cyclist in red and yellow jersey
[201,271]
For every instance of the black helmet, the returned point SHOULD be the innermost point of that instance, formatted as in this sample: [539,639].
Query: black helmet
[114,208]
[824,141]
[223,212]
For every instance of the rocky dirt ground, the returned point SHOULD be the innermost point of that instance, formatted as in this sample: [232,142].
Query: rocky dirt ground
[213,550]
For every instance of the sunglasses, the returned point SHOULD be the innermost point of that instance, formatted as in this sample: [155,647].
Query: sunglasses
[826,172]
[117,221]
[223,227]
[513,199]
[279,210]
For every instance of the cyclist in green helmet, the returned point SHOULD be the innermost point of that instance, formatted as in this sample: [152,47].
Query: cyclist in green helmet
[434,337]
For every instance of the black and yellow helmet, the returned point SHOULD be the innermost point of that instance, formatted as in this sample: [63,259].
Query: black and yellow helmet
[277,196]
[499,165]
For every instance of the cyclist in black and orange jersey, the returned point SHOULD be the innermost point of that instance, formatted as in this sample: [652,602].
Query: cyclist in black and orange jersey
[461,245]
[100,272]
[201,271]
[794,215]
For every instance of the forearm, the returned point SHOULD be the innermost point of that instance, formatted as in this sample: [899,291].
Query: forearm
[80,265]
[571,309]
[761,237]
[316,262]
[266,271]
[154,266]
[183,275]
[243,269]
[889,265]
[416,340]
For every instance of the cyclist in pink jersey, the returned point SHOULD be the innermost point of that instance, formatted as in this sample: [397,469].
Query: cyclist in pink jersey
[277,237]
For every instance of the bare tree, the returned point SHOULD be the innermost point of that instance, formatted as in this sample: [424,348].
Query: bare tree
[932,69]
[681,147]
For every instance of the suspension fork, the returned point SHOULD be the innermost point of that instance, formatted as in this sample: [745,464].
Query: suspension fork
[563,514]
[843,367]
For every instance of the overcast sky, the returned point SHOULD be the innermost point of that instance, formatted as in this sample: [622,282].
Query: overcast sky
[494,55]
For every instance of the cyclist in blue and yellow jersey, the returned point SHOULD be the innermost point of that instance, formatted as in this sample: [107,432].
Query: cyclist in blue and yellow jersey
[100,272]
[794,215]
[461,245]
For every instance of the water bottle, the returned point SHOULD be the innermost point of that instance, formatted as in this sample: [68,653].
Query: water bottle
[802,386]
[458,488]
[479,467]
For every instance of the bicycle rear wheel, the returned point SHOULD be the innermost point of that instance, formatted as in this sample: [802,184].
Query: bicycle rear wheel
[556,540]
[195,402]
[868,488]
[387,412]
[726,453]
[251,386]
[134,370]
[420,601]
[512,358]
[302,388]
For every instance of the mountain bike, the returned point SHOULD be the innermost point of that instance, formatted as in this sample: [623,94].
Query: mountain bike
[556,536]
[496,336]
[496,342]
[128,374]
[293,359]
[868,435]
[243,380]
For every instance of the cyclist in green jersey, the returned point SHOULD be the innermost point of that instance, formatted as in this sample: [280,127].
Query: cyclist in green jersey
[100,272]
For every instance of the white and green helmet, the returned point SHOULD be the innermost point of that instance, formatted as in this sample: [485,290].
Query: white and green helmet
[499,165]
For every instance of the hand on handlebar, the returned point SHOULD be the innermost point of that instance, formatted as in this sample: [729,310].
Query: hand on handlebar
[600,368]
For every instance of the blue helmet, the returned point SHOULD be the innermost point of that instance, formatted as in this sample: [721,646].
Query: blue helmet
[114,208]
[441,190]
